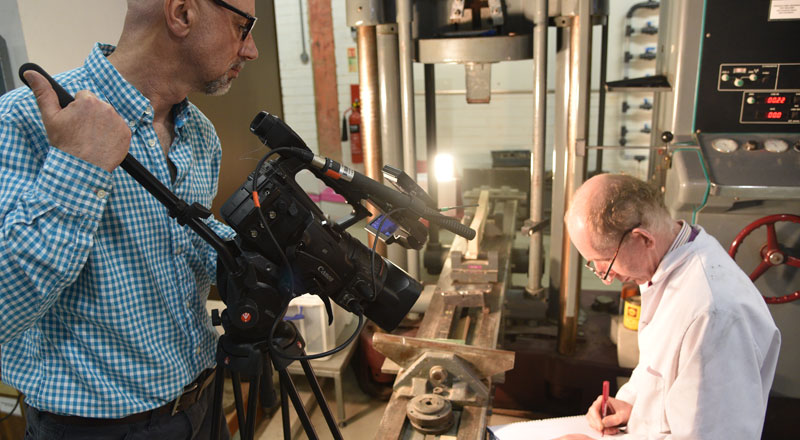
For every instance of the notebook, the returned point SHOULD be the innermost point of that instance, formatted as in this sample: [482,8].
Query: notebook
[545,429]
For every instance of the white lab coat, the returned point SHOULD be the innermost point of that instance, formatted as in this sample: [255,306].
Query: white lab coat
[708,349]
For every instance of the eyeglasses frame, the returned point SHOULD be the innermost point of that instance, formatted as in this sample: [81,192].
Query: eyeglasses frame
[251,20]
[589,266]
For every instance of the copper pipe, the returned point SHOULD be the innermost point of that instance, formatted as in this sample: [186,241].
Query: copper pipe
[370,118]
[577,129]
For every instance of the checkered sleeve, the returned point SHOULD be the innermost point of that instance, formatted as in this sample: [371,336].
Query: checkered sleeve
[50,206]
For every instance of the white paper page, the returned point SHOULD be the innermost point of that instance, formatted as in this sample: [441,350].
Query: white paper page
[546,429]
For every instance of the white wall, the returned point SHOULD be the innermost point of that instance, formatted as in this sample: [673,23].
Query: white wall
[11,30]
[58,35]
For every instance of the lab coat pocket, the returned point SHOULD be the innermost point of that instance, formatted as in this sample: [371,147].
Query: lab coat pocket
[652,391]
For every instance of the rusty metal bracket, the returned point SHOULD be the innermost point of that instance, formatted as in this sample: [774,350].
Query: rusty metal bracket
[461,384]
[453,371]
[468,296]
[474,271]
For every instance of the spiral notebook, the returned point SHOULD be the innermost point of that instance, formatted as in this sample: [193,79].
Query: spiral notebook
[544,429]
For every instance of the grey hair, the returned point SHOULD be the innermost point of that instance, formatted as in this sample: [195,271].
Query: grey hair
[625,203]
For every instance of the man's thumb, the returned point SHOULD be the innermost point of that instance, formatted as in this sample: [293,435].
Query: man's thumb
[45,95]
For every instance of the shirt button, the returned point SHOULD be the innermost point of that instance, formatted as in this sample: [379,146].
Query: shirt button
[151,142]
[131,124]
[101,193]
[148,110]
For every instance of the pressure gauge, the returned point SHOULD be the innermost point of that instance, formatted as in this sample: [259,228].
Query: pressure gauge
[724,145]
[776,145]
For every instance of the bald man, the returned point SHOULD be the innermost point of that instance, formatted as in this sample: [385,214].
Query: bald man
[708,345]
[103,295]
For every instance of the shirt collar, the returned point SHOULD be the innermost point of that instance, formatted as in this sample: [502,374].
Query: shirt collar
[676,252]
[134,107]
[683,236]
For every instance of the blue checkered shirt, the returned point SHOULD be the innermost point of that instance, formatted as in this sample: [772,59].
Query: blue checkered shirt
[103,295]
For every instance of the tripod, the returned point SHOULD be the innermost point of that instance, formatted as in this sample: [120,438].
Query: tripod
[252,359]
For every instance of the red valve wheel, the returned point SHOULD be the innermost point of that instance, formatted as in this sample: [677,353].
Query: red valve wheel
[771,253]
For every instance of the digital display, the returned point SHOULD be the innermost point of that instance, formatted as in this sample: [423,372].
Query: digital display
[770,107]
[387,226]
[774,115]
[776,100]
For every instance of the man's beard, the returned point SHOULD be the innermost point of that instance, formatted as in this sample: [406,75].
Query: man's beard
[221,85]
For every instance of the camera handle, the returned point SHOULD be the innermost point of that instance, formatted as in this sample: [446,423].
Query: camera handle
[227,349]
[178,209]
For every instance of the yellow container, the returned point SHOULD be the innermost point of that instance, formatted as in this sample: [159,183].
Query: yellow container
[633,309]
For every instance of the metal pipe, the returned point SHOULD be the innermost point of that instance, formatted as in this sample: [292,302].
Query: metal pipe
[601,104]
[391,121]
[430,140]
[406,48]
[370,120]
[534,286]
[577,129]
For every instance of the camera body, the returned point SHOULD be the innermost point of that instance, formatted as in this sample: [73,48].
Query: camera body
[320,257]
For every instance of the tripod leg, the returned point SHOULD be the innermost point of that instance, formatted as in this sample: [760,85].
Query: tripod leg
[236,381]
[252,406]
[323,404]
[298,405]
[287,424]
[216,411]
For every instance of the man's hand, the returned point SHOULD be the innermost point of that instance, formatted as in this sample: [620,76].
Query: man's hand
[87,128]
[618,413]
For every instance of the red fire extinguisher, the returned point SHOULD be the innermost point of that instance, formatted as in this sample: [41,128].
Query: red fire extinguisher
[354,123]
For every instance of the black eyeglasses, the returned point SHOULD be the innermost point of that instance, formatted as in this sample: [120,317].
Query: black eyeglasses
[603,276]
[251,21]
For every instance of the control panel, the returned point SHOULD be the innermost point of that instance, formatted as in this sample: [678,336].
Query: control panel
[770,108]
[752,159]
[748,82]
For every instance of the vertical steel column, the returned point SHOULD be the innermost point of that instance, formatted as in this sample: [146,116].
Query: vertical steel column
[370,120]
[601,102]
[559,151]
[406,46]
[540,22]
[577,129]
[430,141]
[390,116]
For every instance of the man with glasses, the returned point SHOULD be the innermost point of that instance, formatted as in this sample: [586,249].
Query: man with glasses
[708,345]
[103,295]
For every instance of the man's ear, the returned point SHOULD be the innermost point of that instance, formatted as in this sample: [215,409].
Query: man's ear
[179,16]
[646,237]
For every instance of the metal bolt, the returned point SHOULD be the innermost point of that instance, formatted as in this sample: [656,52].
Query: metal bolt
[776,258]
[437,375]
[272,215]
[253,233]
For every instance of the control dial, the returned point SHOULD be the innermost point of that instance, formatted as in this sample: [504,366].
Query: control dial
[724,145]
[776,145]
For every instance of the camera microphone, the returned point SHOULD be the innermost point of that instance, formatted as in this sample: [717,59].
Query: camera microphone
[273,132]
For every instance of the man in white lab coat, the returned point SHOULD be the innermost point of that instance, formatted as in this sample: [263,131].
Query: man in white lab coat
[708,344]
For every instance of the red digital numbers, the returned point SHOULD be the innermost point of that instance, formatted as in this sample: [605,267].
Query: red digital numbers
[774,115]
[776,100]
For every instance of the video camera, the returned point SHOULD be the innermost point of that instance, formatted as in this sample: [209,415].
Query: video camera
[293,248]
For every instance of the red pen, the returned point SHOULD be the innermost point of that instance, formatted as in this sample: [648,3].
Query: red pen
[604,406]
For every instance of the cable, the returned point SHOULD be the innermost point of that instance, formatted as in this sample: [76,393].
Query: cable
[708,182]
[10,413]
[275,350]
[374,246]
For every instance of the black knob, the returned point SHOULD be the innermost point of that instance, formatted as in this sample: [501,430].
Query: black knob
[667,137]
